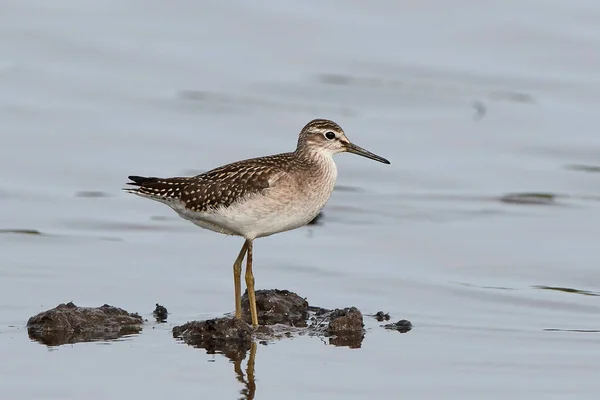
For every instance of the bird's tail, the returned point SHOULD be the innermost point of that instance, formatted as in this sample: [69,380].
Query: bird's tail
[157,188]
[140,180]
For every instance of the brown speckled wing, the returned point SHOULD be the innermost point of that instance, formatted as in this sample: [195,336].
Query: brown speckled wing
[219,187]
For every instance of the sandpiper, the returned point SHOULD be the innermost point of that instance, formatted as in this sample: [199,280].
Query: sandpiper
[258,197]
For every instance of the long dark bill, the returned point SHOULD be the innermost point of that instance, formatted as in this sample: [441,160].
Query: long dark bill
[354,149]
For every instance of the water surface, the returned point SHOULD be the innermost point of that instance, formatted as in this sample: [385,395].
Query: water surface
[470,102]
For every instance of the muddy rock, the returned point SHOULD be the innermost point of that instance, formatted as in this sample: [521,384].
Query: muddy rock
[68,323]
[345,321]
[230,336]
[276,306]
[160,313]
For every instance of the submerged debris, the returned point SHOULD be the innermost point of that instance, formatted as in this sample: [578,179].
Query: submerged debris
[584,168]
[401,326]
[529,198]
[68,323]
[381,316]
[160,313]
[567,290]
[480,110]
[22,231]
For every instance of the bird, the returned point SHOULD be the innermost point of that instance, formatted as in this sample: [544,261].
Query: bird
[258,197]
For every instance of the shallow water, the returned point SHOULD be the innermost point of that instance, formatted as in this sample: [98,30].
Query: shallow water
[469,101]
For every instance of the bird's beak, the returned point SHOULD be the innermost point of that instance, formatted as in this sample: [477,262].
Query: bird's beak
[352,148]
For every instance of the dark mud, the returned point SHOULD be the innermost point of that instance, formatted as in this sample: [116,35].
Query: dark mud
[281,314]
[68,323]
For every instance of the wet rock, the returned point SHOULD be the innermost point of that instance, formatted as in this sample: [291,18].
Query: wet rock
[230,336]
[276,306]
[401,326]
[160,313]
[381,316]
[68,323]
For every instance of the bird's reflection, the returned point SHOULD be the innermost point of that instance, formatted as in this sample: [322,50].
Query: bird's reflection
[237,354]
[248,381]
[234,338]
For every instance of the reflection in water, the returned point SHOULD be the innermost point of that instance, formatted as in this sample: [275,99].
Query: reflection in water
[249,383]
[59,338]
[351,340]
[231,337]
[584,168]
[529,198]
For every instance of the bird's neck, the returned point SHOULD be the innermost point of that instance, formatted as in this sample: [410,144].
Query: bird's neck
[318,163]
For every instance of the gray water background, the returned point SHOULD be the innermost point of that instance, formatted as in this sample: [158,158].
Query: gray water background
[470,101]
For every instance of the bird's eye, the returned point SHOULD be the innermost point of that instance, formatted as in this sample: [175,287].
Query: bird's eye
[330,135]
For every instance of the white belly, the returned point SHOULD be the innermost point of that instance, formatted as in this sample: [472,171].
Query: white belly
[262,215]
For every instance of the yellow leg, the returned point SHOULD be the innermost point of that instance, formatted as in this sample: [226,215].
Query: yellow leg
[250,285]
[248,381]
[250,372]
[237,284]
